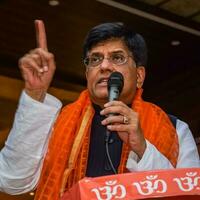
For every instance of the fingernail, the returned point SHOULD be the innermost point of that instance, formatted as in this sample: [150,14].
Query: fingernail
[105,105]
[102,112]
[109,126]
[41,70]
[45,68]
[103,122]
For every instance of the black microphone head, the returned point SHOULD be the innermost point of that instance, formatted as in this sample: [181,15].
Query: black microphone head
[116,79]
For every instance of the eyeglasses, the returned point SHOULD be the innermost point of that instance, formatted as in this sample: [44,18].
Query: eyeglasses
[97,59]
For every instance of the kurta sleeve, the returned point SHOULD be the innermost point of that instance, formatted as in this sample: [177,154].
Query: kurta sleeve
[22,156]
[153,159]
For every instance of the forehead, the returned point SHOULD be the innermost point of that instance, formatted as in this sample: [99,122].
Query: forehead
[109,46]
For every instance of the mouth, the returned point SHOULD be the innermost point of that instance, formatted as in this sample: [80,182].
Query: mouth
[102,81]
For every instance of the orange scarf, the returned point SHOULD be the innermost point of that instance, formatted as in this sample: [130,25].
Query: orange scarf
[66,159]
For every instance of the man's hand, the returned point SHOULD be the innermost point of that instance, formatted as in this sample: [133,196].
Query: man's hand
[38,66]
[126,123]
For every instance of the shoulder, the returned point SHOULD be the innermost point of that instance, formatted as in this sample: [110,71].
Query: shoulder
[181,126]
[68,107]
[183,131]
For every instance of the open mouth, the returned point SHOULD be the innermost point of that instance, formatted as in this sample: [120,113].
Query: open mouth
[102,81]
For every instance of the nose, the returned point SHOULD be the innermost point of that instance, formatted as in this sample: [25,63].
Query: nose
[106,65]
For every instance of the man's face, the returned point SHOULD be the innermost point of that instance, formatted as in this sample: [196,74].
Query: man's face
[97,76]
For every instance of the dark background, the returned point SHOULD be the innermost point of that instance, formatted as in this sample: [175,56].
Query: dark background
[172,80]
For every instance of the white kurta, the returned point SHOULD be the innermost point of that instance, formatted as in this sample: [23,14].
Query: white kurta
[22,157]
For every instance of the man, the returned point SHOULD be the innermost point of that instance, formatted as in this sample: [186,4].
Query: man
[142,135]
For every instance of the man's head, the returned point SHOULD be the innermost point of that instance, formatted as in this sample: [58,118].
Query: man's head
[113,47]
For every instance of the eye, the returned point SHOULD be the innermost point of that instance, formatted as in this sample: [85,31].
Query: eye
[95,60]
[118,58]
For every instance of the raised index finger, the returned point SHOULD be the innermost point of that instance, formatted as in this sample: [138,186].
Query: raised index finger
[41,35]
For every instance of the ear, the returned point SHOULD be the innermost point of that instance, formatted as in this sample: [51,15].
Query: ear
[86,73]
[140,76]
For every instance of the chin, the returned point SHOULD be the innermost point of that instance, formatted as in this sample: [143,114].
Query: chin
[101,93]
[100,99]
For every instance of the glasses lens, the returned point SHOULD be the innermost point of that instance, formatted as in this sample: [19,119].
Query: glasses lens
[96,59]
[93,60]
[118,59]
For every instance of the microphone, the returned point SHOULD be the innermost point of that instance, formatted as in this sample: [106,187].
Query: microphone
[115,85]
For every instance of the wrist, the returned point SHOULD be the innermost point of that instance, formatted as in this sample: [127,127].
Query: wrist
[140,150]
[37,95]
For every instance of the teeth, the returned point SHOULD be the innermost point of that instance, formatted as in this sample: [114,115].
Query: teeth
[103,80]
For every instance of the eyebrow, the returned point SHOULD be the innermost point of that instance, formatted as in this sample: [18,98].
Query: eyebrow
[115,51]
[118,51]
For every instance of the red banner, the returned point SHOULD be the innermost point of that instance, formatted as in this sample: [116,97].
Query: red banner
[139,185]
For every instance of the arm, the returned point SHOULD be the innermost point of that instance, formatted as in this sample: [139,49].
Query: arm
[22,157]
[153,159]
[188,153]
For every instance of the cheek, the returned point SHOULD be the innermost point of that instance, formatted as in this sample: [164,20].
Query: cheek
[90,80]
[129,84]
[129,80]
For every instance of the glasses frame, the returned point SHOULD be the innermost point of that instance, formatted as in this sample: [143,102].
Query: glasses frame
[85,61]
